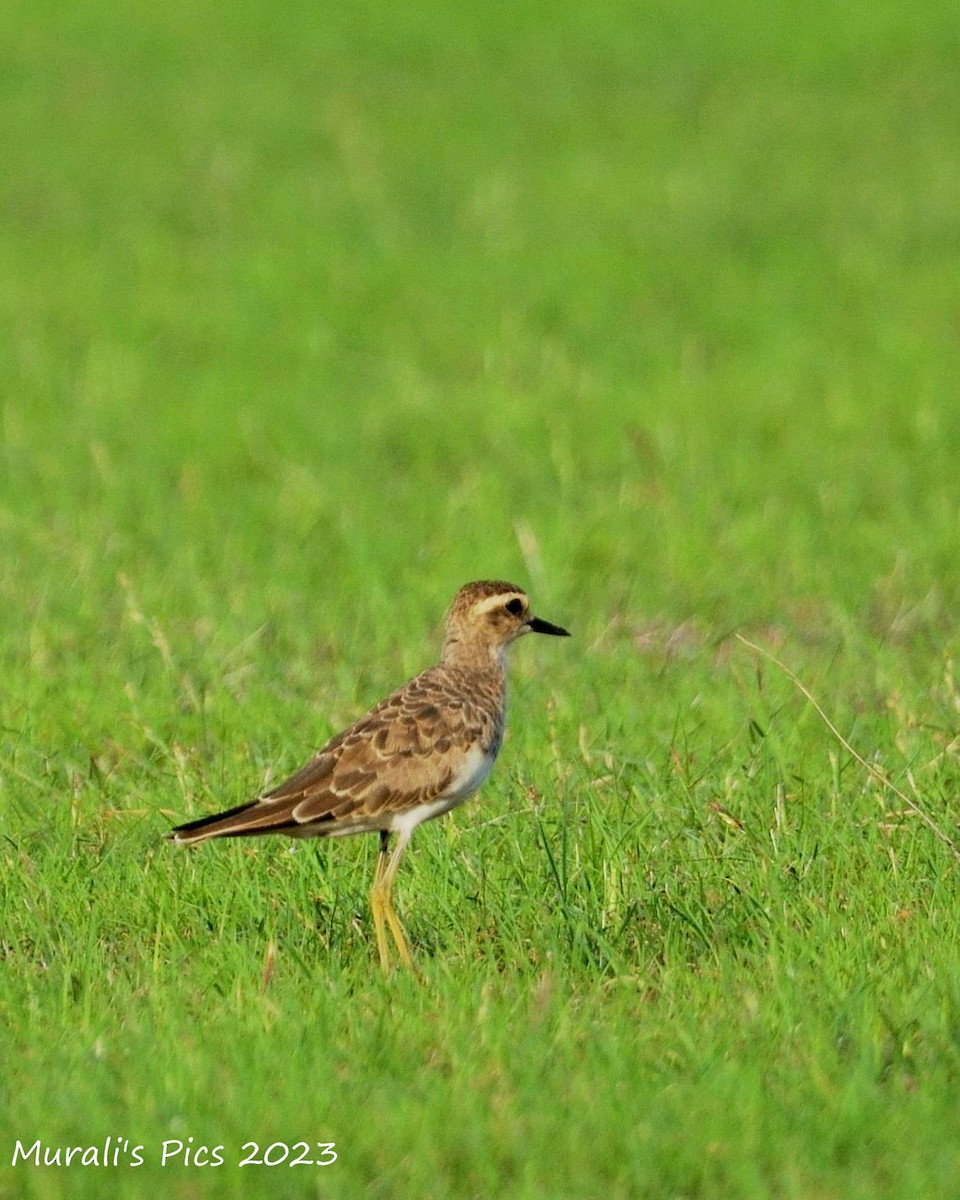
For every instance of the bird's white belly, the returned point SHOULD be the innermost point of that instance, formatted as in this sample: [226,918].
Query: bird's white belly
[474,770]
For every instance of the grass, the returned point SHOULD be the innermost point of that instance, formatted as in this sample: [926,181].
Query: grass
[310,316]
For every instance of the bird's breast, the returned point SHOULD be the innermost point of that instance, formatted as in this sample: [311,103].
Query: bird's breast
[472,771]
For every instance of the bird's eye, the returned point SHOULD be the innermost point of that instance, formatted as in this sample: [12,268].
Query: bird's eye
[514,606]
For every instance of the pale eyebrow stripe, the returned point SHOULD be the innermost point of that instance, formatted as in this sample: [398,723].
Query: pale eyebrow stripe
[500,599]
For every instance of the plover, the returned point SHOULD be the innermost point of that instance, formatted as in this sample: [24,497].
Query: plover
[414,756]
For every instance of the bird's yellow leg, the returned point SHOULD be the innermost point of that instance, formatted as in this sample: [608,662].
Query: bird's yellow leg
[381,902]
[399,936]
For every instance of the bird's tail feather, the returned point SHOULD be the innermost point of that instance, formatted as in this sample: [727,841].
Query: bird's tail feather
[246,820]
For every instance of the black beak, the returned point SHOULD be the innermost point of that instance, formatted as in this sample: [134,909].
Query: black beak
[538,626]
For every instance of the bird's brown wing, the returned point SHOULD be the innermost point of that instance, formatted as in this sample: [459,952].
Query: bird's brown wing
[404,752]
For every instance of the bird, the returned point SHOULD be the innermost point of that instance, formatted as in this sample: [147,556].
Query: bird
[420,752]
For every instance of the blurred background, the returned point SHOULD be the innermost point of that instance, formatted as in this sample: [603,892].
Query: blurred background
[312,312]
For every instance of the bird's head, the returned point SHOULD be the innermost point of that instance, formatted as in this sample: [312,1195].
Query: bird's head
[485,617]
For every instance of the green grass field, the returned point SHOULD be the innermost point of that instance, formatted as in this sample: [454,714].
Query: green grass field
[311,314]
